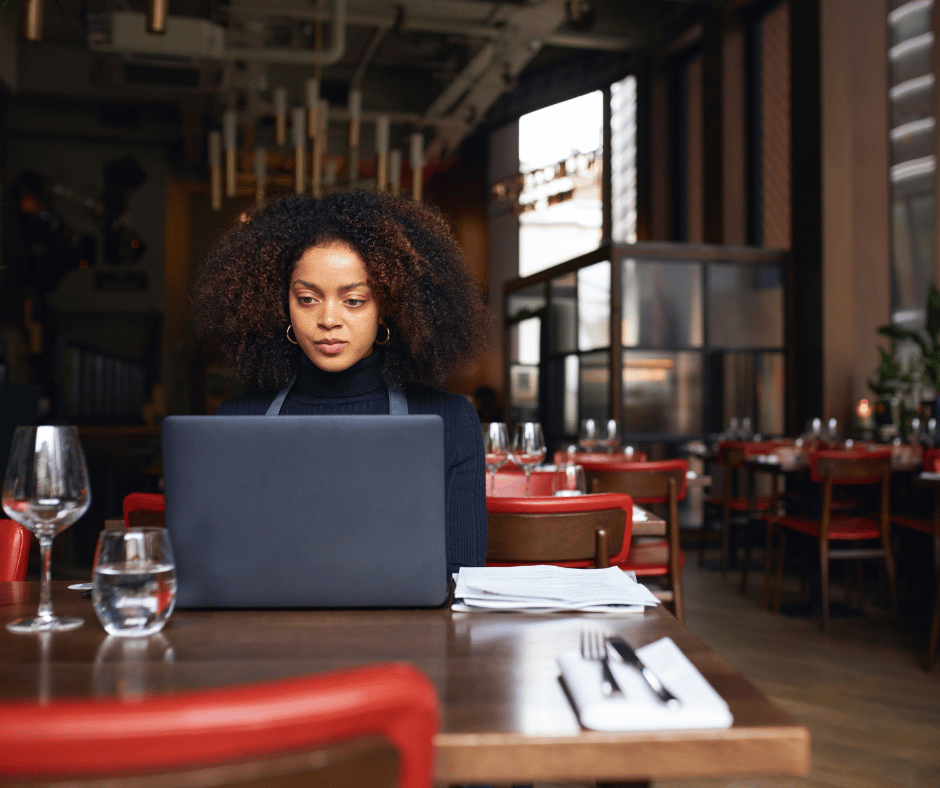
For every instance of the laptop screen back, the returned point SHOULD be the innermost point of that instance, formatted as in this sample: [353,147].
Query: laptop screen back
[306,511]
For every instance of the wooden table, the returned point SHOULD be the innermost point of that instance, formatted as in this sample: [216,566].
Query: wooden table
[505,715]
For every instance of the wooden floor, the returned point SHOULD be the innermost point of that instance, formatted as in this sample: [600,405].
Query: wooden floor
[872,710]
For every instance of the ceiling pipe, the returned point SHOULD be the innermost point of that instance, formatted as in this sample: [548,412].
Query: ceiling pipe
[300,56]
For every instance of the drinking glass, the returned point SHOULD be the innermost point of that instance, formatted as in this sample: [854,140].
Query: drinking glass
[610,435]
[589,436]
[46,490]
[528,449]
[496,448]
[568,479]
[134,576]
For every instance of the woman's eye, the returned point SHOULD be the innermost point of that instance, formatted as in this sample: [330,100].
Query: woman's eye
[306,299]
[355,301]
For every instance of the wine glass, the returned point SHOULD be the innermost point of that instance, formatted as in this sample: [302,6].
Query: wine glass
[569,479]
[528,449]
[589,436]
[496,449]
[610,435]
[46,490]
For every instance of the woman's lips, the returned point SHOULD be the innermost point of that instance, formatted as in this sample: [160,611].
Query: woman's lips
[330,346]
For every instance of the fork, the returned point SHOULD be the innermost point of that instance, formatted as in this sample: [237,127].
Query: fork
[594,648]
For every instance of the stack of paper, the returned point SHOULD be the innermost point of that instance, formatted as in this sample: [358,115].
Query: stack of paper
[550,588]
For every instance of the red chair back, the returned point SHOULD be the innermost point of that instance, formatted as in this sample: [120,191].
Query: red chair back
[932,460]
[151,503]
[562,531]
[14,550]
[224,726]
[849,466]
[510,481]
[645,482]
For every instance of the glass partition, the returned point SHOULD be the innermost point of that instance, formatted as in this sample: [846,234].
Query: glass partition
[672,342]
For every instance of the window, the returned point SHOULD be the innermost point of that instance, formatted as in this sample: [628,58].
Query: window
[560,159]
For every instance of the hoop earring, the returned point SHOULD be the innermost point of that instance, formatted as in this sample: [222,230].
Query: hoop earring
[292,341]
[388,335]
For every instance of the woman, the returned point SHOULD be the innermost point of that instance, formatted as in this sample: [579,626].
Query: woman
[361,296]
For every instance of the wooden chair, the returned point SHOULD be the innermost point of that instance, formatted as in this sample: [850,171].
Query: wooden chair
[560,457]
[580,531]
[931,527]
[144,509]
[735,505]
[830,469]
[659,483]
[371,726]
[14,550]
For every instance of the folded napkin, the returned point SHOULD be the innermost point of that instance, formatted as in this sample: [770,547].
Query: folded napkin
[638,709]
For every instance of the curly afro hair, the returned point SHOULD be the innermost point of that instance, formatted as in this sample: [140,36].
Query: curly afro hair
[435,312]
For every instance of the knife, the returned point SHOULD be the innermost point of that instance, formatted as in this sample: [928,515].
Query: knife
[629,656]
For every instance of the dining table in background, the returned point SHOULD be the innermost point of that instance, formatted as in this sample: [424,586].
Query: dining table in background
[505,714]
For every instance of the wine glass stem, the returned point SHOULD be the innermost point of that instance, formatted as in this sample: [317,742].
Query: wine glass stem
[525,490]
[492,482]
[45,595]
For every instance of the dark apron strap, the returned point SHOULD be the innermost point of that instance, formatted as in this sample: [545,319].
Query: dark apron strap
[397,402]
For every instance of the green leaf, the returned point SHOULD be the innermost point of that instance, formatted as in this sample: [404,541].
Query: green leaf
[895,332]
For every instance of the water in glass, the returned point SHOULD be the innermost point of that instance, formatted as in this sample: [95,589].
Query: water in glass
[134,581]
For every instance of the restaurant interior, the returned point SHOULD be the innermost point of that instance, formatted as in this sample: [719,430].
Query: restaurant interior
[710,222]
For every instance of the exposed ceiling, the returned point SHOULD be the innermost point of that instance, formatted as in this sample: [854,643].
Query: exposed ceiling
[436,65]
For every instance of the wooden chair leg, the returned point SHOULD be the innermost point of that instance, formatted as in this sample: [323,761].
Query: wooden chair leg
[725,542]
[781,557]
[860,585]
[934,627]
[745,567]
[768,566]
[892,578]
[824,582]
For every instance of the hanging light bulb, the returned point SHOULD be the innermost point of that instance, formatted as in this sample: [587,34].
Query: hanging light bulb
[298,120]
[381,152]
[261,173]
[229,143]
[355,116]
[33,14]
[215,169]
[280,115]
[394,168]
[156,16]
[417,165]
[320,145]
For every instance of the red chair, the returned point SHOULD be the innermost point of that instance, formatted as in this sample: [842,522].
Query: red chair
[510,480]
[930,527]
[845,468]
[734,503]
[281,731]
[660,484]
[144,509]
[578,531]
[14,550]
[560,457]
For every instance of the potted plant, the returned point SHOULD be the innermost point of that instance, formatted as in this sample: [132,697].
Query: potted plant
[896,380]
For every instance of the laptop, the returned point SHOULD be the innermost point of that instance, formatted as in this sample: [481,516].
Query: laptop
[306,511]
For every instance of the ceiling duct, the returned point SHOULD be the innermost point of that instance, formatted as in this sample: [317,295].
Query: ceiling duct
[188,37]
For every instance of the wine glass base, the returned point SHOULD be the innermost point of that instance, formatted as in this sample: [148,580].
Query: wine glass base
[54,624]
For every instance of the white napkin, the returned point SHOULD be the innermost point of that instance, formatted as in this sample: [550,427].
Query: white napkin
[638,709]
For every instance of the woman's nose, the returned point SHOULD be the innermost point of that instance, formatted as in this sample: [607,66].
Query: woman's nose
[328,315]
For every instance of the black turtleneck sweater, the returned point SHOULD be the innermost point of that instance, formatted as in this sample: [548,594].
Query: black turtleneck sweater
[362,390]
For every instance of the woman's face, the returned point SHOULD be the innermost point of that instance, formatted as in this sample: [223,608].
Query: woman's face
[332,310]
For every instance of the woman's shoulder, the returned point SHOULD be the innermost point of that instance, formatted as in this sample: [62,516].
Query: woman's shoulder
[453,408]
[252,403]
